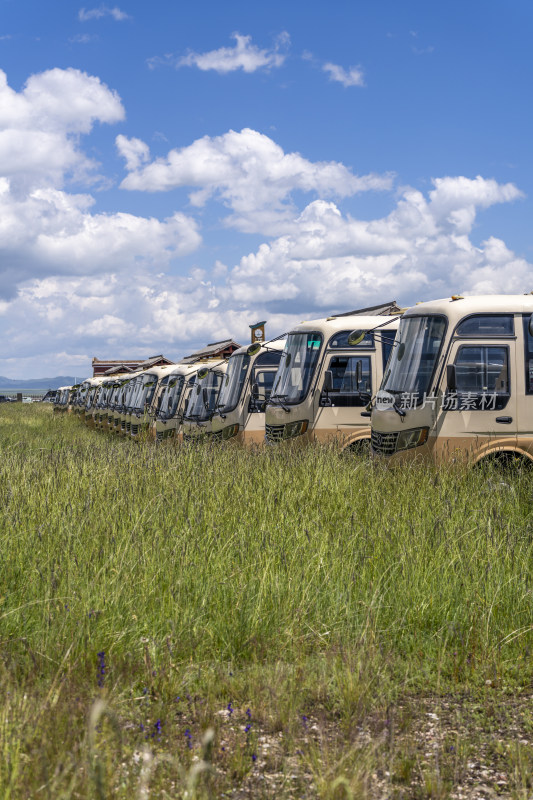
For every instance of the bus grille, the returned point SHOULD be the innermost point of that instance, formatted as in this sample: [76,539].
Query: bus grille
[168,434]
[274,433]
[384,444]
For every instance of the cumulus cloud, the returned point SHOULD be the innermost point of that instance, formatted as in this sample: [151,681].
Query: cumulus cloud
[79,282]
[44,229]
[41,125]
[82,317]
[353,76]
[134,151]
[84,14]
[50,231]
[328,262]
[244,55]
[248,172]
[422,249]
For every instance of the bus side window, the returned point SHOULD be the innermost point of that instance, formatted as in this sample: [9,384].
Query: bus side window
[482,376]
[387,343]
[346,390]
[264,380]
[528,355]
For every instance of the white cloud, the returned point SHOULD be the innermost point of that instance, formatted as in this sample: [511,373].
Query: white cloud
[353,76]
[53,232]
[419,251]
[327,262]
[84,15]
[134,151]
[45,230]
[41,125]
[83,38]
[455,200]
[249,173]
[107,327]
[78,281]
[244,55]
[106,316]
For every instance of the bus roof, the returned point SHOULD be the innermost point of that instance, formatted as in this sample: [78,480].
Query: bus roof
[275,344]
[331,325]
[457,307]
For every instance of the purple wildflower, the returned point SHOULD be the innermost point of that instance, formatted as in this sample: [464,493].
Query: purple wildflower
[101,668]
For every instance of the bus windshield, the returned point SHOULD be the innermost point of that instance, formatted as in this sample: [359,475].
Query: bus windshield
[170,396]
[296,367]
[232,382]
[200,408]
[144,392]
[414,356]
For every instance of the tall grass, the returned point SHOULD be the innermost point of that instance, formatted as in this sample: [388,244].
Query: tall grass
[286,580]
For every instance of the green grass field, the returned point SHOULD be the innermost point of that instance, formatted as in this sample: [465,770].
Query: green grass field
[207,622]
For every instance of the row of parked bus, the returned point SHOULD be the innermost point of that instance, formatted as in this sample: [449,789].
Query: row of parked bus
[447,379]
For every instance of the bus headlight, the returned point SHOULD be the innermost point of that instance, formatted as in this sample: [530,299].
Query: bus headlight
[413,438]
[295,428]
[230,431]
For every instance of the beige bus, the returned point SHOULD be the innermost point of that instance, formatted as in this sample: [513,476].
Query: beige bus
[202,401]
[240,409]
[91,399]
[80,397]
[323,383]
[115,404]
[127,394]
[102,402]
[170,401]
[142,407]
[62,398]
[459,383]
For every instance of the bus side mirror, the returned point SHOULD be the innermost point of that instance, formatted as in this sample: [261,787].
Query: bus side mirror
[204,398]
[530,325]
[255,391]
[356,337]
[328,381]
[451,376]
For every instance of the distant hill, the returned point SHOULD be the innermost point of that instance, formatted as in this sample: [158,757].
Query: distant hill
[35,385]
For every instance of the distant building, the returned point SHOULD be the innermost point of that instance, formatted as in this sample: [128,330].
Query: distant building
[221,349]
[112,366]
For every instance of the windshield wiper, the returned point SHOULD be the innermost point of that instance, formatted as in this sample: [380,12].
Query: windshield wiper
[279,398]
[399,411]
[395,406]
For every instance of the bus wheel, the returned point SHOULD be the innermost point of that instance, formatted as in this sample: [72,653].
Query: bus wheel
[359,448]
[506,461]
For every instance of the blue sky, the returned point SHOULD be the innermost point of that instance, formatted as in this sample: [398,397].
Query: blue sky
[171,172]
